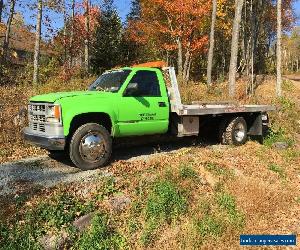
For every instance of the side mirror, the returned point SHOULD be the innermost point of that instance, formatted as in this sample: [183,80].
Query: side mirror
[132,89]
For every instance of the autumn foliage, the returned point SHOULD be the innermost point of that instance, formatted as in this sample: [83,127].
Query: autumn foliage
[172,26]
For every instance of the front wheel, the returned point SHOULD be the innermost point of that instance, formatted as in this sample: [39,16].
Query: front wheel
[90,146]
[234,131]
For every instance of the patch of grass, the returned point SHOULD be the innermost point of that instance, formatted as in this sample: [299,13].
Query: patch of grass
[277,169]
[291,154]
[61,210]
[227,203]
[219,171]
[58,211]
[287,105]
[107,188]
[165,202]
[219,213]
[288,86]
[101,236]
[210,226]
[277,136]
[133,225]
[20,236]
[187,172]
[148,235]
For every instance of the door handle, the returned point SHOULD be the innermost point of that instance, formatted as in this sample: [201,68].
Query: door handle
[162,104]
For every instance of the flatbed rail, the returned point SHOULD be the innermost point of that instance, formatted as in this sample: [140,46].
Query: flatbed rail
[198,108]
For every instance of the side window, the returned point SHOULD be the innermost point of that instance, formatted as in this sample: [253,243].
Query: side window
[146,83]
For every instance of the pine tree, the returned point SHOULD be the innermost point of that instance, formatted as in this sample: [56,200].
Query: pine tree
[1,9]
[135,10]
[106,54]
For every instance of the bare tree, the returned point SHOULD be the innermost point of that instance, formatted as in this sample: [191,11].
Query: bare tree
[72,33]
[87,38]
[37,43]
[235,46]
[1,9]
[211,42]
[179,59]
[278,53]
[65,29]
[8,29]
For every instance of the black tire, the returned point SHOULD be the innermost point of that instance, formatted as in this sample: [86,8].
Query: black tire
[76,153]
[233,131]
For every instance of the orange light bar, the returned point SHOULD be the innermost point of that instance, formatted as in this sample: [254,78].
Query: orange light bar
[56,112]
[157,64]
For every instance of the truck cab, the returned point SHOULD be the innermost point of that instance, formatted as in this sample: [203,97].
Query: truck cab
[132,101]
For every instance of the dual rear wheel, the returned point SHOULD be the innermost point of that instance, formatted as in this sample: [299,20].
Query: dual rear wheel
[233,131]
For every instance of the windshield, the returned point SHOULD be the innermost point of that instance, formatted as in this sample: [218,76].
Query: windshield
[110,81]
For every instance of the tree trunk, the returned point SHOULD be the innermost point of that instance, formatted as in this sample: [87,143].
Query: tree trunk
[186,63]
[72,33]
[279,34]
[189,70]
[8,29]
[87,38]
[37,43]
[234,46]
[65,31]
[211,42]
[1,9]
[179,60]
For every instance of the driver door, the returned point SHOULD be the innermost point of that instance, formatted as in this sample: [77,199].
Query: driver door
[144,106]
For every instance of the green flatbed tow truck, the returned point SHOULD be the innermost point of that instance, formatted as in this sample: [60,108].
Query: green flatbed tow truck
[128,102]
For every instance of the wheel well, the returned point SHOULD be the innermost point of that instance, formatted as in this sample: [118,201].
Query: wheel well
[100,118]
[253,120]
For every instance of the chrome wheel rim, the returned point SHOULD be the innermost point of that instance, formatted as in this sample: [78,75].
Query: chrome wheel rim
[239,132]
[92,147]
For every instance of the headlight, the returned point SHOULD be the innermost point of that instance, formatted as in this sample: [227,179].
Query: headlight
[54,113]
[265,117]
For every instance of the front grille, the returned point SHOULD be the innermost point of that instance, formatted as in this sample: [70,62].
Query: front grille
[38,107]
[37,117]
[39,127]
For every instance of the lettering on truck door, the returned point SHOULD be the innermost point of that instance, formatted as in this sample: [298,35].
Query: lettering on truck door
[144,106]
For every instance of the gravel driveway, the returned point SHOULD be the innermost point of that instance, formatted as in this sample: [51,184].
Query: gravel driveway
[42,171]
[21,176]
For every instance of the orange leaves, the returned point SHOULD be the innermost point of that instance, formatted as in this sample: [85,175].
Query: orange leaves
[167,21]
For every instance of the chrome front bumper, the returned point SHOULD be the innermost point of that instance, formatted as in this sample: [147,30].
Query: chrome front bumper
[50,143]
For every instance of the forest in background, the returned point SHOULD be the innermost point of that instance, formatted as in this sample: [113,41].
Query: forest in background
[207,41]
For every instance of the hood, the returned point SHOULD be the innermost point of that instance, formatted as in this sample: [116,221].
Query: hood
[53,97]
